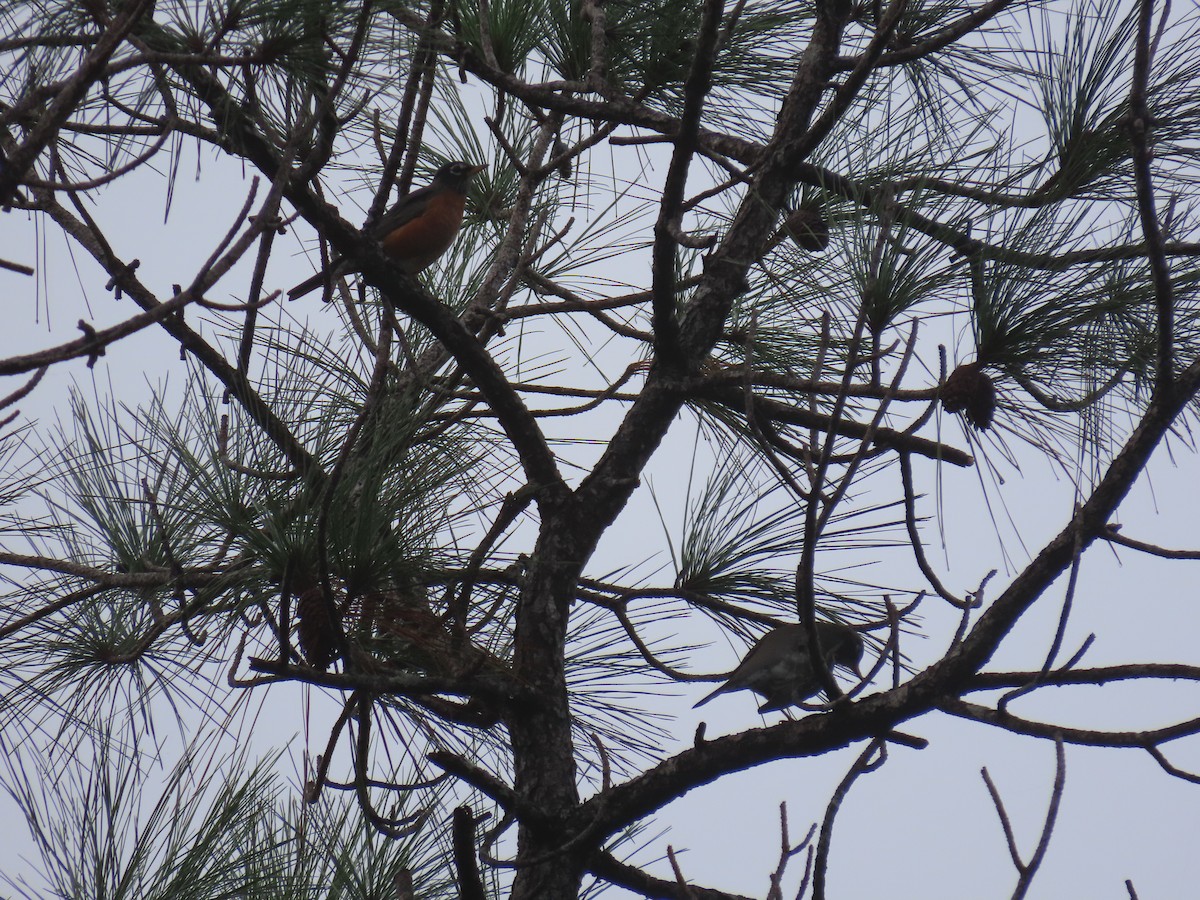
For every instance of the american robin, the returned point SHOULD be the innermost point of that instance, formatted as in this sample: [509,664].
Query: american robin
[778,666]
[417,230]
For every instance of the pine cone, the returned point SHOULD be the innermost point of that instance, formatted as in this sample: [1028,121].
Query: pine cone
[969,390]
[808,230]
[315,628]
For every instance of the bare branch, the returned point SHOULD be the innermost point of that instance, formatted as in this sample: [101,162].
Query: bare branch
[685,891]
[470,881]
[605,865]
[1083,736]
[1140,127]
[874,756]
[1027,870]
[1113,536]
[786,852]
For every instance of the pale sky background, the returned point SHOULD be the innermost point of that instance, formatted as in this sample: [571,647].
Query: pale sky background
[922,826]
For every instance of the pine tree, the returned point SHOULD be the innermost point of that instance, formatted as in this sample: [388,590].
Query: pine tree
[750,300]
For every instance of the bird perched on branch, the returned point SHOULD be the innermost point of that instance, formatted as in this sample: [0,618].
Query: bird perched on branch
[417,230]
[807,228]
[779,667]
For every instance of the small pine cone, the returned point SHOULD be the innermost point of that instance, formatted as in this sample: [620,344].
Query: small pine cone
[808,230]
[315,628]
[969,390]
[564,167]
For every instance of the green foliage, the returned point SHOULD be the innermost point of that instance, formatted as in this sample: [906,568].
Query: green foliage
[512,33]
[611,689]
[648,50]
[741,542]
[219,828]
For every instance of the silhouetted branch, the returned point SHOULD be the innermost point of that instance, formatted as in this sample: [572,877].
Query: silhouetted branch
[1113,536]
[685,891]
[607,867]
[786,852]
[874,756]
[466,860]
[1084,736]
[1027,870]
[1140,126]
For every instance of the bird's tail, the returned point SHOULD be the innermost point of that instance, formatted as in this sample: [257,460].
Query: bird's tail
[308,285]
[708,697]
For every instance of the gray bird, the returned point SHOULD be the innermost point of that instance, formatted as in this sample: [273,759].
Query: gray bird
[778,666]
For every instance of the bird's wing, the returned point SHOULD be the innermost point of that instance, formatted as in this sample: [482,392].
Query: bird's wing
[403,211]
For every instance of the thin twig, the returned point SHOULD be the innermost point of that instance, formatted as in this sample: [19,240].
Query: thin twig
[1112,535]
[786,852]
[686,890]
[874,756]
[1027,870]
[1140,127]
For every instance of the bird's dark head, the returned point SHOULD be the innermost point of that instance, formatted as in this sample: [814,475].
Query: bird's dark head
[848,650]
[456,175]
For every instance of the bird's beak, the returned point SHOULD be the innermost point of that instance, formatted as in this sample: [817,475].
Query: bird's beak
[853,667]
[475,170]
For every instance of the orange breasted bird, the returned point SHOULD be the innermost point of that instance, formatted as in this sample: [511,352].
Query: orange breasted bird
[417,230]
[779,667]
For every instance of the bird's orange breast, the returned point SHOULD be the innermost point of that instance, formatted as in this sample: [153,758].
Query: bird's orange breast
[420,241]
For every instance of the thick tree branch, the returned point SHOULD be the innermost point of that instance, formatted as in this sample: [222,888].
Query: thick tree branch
[607,867]
[663,254]
[776,411]
[938,40]
[1087,737]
